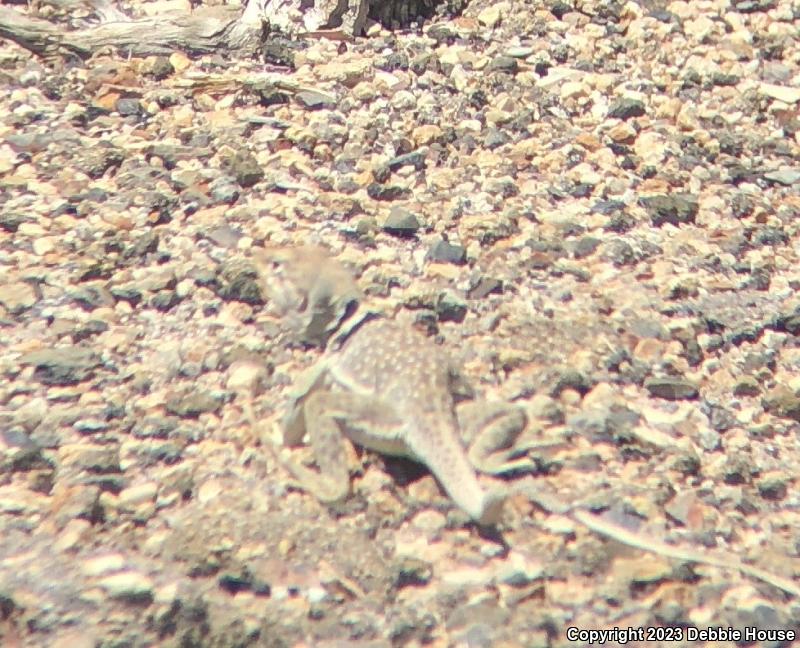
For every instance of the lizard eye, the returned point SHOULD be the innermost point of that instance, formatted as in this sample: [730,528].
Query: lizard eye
[277,286]
[286,296]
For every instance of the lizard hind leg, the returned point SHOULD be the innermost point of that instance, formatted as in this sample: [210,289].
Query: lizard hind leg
[332,419]
[491,430]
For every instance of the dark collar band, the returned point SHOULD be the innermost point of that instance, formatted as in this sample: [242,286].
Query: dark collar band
[352,322]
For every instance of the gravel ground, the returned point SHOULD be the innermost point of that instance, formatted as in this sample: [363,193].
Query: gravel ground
[594,206]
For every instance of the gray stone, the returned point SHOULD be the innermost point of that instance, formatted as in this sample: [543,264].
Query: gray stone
[450,307]
[620,253]
[773,486]
[770,235]
[315,100]
[413,571]
[786,177]
[586,247]
[90,297]
[776,72]
[100,459]
[674,209]
[378,191]
[401,222]
[11,221]
[626,108]
[91,426]
[484,286]
[244,167]
[747,386]
[128,106]
[414,159]
[445,252]
[89,329]
[164,300]
[570,379]
[193,404]
[160,68]
[225,236]
[239,283]
[504,64]
[783,403]
[709,439]
[224,189]
[17,297]
[142,245]
[96,160]
[671,388]
[63,366]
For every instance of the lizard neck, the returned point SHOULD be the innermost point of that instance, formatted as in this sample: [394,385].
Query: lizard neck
[355,316]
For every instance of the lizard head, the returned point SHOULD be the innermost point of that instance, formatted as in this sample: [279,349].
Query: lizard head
[315,293]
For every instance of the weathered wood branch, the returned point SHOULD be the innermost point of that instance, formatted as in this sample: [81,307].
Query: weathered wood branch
[211,29]
[198,33]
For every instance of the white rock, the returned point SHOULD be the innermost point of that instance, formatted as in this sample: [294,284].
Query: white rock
[42,246]
[8,159]
[138,494]
[209,490]
[493,14]
[785,94]
[650,147]
[104,564]
[127,584]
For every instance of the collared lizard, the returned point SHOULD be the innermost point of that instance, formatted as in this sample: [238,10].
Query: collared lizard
[384,386]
